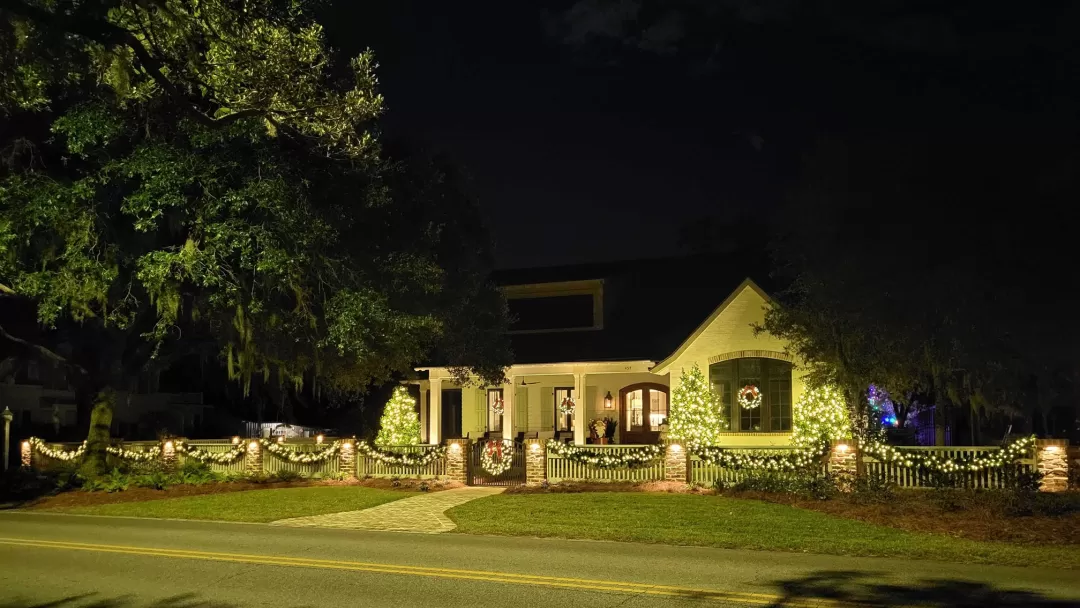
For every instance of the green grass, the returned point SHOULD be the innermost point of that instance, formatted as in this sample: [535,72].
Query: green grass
[684,519]
[252,505]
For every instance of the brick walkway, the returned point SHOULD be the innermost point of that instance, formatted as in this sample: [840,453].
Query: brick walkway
[425,513]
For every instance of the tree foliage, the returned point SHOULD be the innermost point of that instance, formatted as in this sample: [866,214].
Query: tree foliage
[193,172]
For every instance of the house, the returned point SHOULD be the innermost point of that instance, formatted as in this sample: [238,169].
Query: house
[614,338]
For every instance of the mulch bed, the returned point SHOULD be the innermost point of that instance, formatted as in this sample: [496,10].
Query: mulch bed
[79,498]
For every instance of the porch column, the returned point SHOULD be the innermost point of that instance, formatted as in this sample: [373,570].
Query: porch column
[580,414]
[424,431]
[508,409]
[435,413]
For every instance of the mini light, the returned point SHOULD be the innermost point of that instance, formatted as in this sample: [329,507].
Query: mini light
[235,440]
[318,439]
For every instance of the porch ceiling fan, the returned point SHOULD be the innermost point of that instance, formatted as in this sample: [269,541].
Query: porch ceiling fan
[523,383]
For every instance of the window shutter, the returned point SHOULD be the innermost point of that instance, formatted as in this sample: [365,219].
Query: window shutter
[547,408]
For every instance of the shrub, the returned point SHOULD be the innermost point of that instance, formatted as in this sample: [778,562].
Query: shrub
[158,480]
[423,486]
[113,481]
[872,488]
[285,475]
[821,486]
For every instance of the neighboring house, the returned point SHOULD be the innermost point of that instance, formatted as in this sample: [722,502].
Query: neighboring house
[615,339]
[40,399]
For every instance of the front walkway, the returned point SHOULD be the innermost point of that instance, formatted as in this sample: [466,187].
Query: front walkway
[425,513]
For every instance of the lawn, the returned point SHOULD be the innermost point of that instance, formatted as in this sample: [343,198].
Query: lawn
[251,505]
[715,521]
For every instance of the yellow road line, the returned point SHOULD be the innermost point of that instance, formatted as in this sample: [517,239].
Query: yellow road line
[451,573]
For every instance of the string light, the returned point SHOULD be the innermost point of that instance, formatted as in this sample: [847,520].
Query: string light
[497,456]
[399,424]
[394,459]
[607,458]
[696,416]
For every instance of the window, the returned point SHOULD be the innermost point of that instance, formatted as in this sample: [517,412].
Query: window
[494,395]
[771,376]
[563,422]
[32,372]
[658,410]
[635,411]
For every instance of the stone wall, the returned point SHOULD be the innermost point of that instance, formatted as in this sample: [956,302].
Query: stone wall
[253,459]
[347,459]
[842,458]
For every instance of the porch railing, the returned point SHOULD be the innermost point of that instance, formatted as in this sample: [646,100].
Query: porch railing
[370,467]
[565,469]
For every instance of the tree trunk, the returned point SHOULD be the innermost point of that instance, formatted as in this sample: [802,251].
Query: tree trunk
[97,440]
[860,431]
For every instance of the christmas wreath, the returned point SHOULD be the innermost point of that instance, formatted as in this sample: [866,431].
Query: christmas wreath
[567,406]
[497,455]
[749,397]
[498,407]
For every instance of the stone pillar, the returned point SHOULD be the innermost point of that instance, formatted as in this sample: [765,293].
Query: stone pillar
[676,463]
[457,456]
[347,458]
[842,461]
[1052,460]
[535,461]
[26,456]
[424,430]
[253,459]
[435,412]
[508,409]
[168,453]
[581,413]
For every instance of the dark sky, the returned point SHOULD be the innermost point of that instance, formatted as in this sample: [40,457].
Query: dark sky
[597,130]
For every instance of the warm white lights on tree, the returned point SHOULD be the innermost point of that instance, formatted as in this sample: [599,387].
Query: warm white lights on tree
[399,425]
[696,417]
[820,418]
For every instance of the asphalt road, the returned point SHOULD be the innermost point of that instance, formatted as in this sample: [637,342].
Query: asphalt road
[66,561]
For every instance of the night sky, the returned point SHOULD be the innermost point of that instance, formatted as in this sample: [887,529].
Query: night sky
[598,130]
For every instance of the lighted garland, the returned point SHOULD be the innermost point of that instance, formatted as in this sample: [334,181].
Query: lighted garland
[61,454]
[292,455]
[763,460]
[497,456]
[567,406]
[123,453]
[606,459]
[1007,456]
[201,455]
[405,459]
[750,397]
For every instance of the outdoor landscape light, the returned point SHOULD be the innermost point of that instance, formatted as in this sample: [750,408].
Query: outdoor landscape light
[843,447]
[676,448]
[281,439]
[455,447]
[169,445]
[534,447]
[235,440]
[1052,448]
[26,445]
[253,446]
[318,438]
[607,401]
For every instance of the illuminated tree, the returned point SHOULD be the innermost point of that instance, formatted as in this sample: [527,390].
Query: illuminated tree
[820,418]
[696,415]
[186,175]
[400,424]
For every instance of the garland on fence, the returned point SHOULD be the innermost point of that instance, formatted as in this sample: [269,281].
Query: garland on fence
[206,456]
[61,454]
[998,459]
[291,455]
[134,455]
[767,460]
[497,456]
[606,459]
[394,459]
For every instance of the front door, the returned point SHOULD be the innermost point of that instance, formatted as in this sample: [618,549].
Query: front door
[451,414]
[643,410]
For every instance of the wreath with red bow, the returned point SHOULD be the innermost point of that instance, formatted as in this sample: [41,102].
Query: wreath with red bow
[497,456]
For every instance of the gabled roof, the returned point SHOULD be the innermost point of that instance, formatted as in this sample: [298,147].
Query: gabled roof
[747,283]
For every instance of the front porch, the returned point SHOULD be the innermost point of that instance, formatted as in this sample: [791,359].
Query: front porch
[625,391]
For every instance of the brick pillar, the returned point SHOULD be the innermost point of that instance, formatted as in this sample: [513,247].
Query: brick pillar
[168,453]
[457,454]
[676,463]
[253,459]
[1052,460]
[347,458]
[25,455]
[842,461]
[535,461]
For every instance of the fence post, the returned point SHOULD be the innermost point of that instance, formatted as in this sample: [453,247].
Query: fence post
[676,463]
[26,455]
[1052,460]
[535,462]
[253,459]
[457,453]
[347,458]
[168,454]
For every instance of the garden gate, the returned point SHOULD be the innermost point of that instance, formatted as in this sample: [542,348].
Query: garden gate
[513,476]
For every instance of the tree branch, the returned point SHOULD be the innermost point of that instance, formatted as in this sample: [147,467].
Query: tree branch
[42,352]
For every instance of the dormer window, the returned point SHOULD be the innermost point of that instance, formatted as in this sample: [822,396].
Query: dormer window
[555,307]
